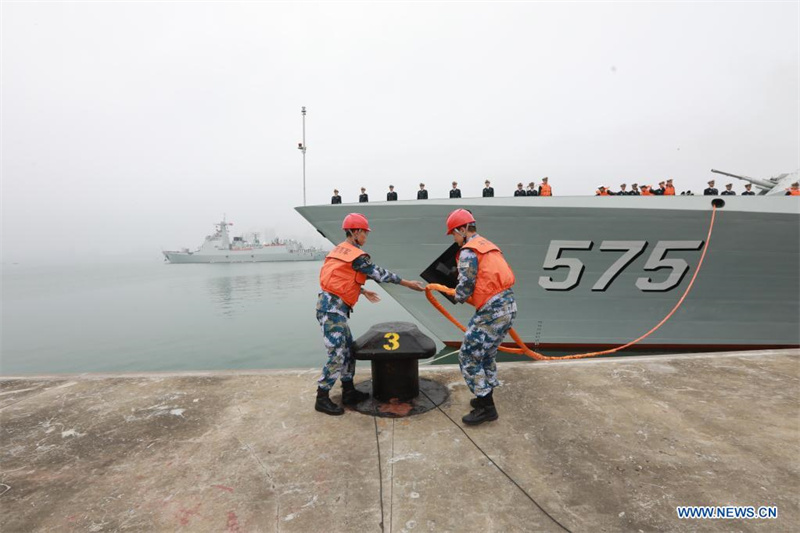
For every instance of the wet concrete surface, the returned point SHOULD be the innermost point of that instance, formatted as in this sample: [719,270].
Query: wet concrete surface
[605,445]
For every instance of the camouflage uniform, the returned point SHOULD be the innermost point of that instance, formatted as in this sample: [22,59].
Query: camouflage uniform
[332,314]
[485,331]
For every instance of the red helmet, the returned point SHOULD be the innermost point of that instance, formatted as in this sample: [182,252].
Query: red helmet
[355,221]
[458,218]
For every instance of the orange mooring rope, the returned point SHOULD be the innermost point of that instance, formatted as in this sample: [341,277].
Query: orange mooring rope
[523,349]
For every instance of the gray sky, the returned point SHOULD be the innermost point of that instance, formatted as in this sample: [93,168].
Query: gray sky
[128,127]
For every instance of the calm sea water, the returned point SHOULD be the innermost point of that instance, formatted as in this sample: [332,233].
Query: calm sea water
[157,317]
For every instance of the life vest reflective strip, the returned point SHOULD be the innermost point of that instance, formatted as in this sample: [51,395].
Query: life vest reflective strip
[494,274]
[669,190]
[337,275]
[546,190]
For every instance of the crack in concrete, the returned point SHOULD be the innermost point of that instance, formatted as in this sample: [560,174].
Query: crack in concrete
[380,472]
[391,483]
[258,460]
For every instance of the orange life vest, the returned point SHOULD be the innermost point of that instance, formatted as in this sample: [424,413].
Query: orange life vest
[601,193]
[669,190]
[337,275]
[646,192]
[794,192]
[494,274]
[546,190]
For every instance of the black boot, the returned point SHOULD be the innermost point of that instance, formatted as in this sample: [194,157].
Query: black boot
[352,396]
[483,412]
[325,405]
[476,402]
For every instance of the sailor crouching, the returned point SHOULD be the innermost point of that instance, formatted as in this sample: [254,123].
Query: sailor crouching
[485,281]
[343,274]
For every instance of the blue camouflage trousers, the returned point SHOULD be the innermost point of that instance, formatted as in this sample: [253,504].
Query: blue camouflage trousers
[339,342]
[477,355]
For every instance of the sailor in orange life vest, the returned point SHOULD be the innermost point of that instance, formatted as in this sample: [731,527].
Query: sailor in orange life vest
[484,280]
[343,274]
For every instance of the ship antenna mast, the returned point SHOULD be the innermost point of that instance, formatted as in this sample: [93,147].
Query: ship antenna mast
[302,147]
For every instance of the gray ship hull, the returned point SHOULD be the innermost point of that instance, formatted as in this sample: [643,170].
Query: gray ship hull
[599,272]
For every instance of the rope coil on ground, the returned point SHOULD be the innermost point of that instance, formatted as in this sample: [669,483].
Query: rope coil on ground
[523,348]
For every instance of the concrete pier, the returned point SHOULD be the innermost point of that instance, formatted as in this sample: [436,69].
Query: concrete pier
[594,446]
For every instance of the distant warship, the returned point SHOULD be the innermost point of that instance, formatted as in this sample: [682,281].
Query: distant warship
[218,248]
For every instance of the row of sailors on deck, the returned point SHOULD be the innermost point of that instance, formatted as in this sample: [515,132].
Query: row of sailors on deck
[712,191]
[794,190]
[665,188]
[422,194]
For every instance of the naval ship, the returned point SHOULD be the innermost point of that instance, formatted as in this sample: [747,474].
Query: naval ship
[218,248]
[594,273]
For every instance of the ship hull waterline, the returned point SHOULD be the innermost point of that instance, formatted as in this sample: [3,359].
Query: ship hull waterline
[234,257]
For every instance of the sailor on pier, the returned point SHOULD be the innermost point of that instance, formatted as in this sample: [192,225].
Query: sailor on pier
[485,281]
[422,194]
[728,190]
[343,274]
[336,199]
[363,197]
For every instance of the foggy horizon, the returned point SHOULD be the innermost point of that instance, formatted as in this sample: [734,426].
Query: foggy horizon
[131,128]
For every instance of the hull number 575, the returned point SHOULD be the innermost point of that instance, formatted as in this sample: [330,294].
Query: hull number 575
[630,250]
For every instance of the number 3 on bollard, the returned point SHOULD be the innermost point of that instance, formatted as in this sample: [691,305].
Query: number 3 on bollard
[393,341]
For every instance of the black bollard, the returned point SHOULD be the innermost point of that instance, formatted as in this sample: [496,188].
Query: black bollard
[394,349]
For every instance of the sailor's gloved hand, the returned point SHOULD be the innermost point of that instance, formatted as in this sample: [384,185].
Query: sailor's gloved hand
[413,285]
